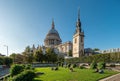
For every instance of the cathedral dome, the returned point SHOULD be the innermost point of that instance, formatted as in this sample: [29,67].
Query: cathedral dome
[53,31]
[53,34]
[52,37]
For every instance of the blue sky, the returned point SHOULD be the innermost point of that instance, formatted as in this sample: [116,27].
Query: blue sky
[26,22]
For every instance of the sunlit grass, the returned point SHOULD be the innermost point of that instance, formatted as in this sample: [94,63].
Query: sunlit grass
[64,74]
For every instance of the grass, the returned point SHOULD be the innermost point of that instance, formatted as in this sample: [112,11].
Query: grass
[64,74]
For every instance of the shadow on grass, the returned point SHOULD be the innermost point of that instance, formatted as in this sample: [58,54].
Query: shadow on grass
[38,74]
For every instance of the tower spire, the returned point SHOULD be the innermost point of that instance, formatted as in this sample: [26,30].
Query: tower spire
[53,24]
[78,24]
[79,14]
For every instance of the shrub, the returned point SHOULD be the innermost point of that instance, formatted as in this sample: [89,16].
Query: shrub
[54,68]
[73,65]
[28,67]
[81,67]
[68,65]
[62,64]
[16,69]
[101,65]
[1,61]
[8,61]
[27,75]
[93,65]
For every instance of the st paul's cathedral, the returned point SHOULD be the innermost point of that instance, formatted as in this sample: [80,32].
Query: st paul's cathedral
[53,40]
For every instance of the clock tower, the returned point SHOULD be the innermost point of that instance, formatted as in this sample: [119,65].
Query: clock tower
[78,39]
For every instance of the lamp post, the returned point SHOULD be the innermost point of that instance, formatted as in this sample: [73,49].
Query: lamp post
[7,49]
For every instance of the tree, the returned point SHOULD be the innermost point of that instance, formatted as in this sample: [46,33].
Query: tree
[60,58]
[96,49]
[16,69]
[28,55]
[70,53]
[8,61]
[1,60]
[19,59]
[101,65]
[38,55]
[93,65]
[48,54]
[51,56]
[13,55]
[33,48]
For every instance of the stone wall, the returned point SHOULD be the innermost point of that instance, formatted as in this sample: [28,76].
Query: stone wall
[44,65]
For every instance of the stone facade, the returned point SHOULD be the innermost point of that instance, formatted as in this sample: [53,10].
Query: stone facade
[54,41]
[52,38]
[78,40]
[65,48]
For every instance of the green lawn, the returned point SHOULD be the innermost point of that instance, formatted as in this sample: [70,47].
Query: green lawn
[64,74]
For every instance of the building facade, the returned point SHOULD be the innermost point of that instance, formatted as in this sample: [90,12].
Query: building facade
[54,41]
[52,38]
[113,50]
[78,40]
[65,48]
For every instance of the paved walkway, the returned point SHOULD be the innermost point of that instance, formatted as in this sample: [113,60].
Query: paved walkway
[4,72]
[112,78]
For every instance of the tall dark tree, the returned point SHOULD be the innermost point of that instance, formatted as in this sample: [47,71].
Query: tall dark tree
[17,58]
[38,55]
[50,55]
[33,48]
[28,49]
[70,53]
[1,60]
[13,56]
[8,61]
[28,55]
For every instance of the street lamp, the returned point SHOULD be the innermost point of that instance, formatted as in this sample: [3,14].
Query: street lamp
[7,49]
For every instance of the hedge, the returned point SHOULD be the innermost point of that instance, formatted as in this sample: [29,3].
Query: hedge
[16,69]
[5,61]
[109,57]
[27,75]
